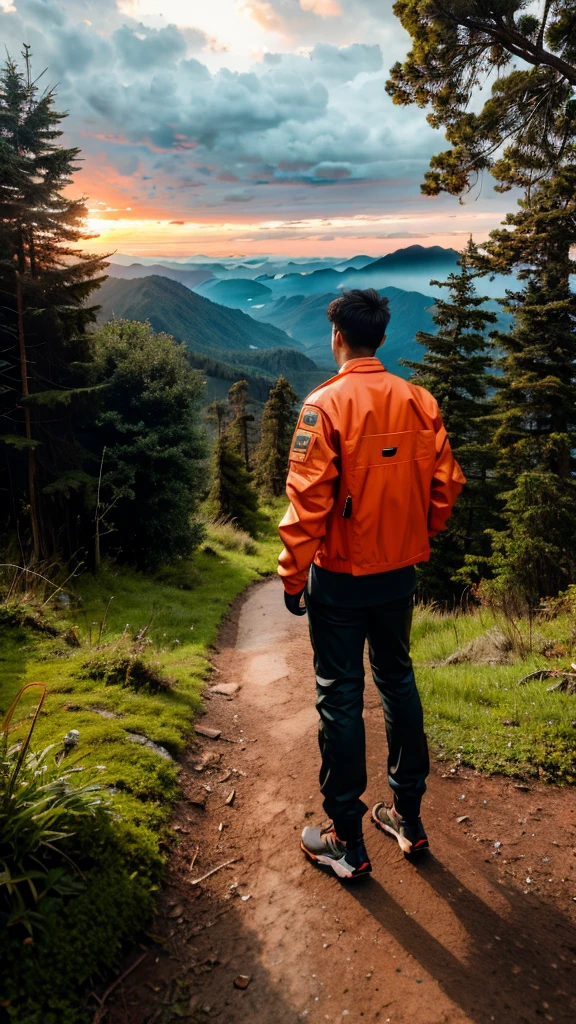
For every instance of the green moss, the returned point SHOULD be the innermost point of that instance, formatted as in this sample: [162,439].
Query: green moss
[182,607]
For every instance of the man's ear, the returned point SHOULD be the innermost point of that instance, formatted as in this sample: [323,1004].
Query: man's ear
[381,342]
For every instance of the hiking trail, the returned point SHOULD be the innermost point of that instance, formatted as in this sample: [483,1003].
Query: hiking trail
[472,933]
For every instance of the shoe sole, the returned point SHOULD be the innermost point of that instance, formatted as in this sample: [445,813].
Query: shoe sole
[336,866]
[404,844]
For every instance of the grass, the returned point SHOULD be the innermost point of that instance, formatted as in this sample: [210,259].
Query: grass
[479,716]
[180,609]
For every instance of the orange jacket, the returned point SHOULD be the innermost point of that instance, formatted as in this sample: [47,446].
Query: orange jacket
[372,476]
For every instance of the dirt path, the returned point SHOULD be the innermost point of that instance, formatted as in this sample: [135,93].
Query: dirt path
[474,933]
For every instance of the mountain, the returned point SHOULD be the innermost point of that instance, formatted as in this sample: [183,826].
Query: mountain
[304,319]
[411,269]
[201,324]
[235,292]
[261,370]
[190,278]
[415,257]
[356,262]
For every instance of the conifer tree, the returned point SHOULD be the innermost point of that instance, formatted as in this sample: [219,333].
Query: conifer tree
[44,282]
[455,370]
[278,422]
[238,397]
[216,414]
[232,496]
[535,554]
[459,45]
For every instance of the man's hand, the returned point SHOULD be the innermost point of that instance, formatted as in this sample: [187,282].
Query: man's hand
[292,602]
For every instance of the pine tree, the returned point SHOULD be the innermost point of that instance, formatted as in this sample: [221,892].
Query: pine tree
[148,429]
[455,370]
[44,282]
[459,45]
[238,397]
[216,414]
[535,554]
[232,496]
[278,422]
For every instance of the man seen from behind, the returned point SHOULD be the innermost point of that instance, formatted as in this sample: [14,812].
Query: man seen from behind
[371,479]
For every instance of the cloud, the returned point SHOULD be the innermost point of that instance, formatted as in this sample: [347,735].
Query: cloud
[323,8]
[239,197]
[142,47]
[177,130]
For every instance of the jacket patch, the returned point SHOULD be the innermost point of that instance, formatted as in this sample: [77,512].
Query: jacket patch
[310,417]
[301,445]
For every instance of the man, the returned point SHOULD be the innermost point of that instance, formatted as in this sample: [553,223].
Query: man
[372,477]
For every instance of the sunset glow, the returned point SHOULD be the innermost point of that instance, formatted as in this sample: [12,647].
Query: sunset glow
[242,125]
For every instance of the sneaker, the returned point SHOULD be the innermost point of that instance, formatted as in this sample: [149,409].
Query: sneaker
[324,847]
[411,838]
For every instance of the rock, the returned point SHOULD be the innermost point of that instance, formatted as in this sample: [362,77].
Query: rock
[227,689]
[462,818]
[230,798]
[242,981]
[205,730]
[198,800]
[143,741]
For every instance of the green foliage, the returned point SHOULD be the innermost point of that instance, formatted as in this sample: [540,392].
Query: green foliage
[122,859]
[278,422]
[232,495]
[455,369]
[153,465]
[39,809]
[478,716]
[456,46]
[535,409]
[45,281]
[124,663]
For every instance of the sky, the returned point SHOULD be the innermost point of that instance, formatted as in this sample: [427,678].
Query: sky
[231,127]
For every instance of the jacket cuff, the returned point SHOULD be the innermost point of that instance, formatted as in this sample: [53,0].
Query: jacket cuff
[293,584]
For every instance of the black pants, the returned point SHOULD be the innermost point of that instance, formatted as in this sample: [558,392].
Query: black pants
[338,637]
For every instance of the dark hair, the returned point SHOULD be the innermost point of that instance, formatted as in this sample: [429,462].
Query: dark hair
[361,316]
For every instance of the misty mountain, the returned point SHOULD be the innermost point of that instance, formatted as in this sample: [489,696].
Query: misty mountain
[304,319]
[235,292]
[411,268]
[356,262]
[189,278]
[201,324]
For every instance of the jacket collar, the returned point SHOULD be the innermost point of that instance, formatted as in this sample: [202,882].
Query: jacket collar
[369,364]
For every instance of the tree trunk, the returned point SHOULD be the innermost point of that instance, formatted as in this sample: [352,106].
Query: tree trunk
[32,482]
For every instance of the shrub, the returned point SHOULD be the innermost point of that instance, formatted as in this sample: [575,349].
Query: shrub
[124,663]
[39,811]
[232,538]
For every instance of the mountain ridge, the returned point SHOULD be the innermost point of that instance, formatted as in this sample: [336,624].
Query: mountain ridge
[202,325]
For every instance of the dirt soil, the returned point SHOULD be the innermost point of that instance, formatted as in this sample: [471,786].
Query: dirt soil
[482,929]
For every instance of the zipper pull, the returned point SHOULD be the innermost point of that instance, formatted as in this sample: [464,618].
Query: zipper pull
[347,510]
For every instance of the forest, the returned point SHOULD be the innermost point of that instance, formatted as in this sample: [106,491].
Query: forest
[135,506]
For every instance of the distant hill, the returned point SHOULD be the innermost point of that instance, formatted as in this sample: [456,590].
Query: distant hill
[203,325]
[237,293]
[189,278]
[415,257]
[411,269]
[304,319]
[356,262]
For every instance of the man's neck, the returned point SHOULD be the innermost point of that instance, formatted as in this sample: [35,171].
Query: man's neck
[354,353]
